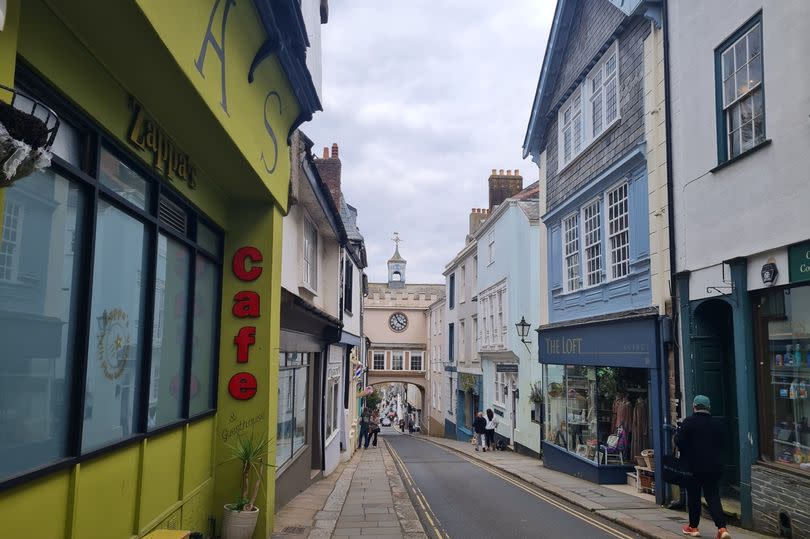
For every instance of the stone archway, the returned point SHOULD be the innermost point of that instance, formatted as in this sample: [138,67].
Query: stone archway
[416,379]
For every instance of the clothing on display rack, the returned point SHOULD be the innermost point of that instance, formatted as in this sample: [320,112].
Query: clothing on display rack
[640,428]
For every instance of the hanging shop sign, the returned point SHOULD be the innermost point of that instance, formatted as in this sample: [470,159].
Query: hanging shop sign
[167,158]
[506,367]
[246,305]
[799,262]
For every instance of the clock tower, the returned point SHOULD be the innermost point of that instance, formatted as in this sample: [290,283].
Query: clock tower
[396,266]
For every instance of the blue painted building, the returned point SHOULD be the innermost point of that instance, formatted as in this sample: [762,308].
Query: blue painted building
[508,244]
[596,136]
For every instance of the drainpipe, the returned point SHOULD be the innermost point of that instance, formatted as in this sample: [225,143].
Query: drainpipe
[668,427]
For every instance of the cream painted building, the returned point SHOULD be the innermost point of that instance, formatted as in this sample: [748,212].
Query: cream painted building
[394,320]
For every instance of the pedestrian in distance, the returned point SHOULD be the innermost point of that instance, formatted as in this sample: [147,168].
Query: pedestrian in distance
[480,428]
[374,427]
[492,424]
[700,440]
[365,425]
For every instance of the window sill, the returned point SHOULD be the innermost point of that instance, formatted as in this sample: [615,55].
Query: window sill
[784,468]
[746,153]
[302,286]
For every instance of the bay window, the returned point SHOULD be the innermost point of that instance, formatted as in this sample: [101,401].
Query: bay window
[591,110]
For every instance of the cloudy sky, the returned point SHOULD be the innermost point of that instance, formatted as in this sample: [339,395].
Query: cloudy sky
[424,98]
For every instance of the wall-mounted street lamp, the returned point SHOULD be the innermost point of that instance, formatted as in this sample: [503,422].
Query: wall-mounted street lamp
[523,331]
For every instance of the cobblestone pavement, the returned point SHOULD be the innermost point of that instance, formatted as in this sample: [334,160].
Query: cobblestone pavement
[639,515]
[364,498]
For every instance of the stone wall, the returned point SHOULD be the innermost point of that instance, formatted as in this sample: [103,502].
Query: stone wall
[773,492]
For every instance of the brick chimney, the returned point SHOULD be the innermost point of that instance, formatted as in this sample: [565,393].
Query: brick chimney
[329,169]
[477,217]
[502,186]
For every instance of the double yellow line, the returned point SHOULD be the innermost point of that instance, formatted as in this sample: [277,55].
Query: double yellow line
[548,499]
[420,498]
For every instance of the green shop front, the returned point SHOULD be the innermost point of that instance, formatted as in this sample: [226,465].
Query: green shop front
[603,400]
[748,349]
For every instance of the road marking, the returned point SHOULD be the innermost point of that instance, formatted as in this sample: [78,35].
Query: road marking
[551,501]
[426,510]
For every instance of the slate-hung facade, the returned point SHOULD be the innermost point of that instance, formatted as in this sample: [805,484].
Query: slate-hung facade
[594,132]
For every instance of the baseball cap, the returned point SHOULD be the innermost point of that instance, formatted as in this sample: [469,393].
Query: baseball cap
[702,401]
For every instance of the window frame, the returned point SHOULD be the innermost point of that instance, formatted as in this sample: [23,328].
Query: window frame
[14,255]
[374,358]
[610,277]
[309,268]
[575,253]
[451,330]
[585,94]
[85,176]
[421,357]
[401,354]
[584,260]
[348,285]
[721,118]
[451,293]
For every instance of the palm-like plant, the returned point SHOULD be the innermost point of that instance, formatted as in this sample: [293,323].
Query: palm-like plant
[251,454]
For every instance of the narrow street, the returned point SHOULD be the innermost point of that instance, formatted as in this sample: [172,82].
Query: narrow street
[460,498]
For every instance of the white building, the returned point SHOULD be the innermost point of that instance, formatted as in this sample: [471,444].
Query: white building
[437,379]
[739,94]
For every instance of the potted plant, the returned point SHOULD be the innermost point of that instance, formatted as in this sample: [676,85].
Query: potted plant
[239,518]
[25,138]
[536,398]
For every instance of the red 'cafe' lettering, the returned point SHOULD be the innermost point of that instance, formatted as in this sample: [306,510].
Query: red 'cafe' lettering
[246,304]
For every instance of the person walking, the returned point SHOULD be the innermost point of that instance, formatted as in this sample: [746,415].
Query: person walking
[365,424]
[492,424]
[700,440]
[374,427]
[480,428]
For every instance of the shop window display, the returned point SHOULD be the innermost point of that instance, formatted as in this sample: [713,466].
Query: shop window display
[599,413]
[88,360]
[293,391]
[39,322]
[784,359]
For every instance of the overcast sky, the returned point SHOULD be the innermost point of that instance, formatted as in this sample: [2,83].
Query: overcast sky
[424,98]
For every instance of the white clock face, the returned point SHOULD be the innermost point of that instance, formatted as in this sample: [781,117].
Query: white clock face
[398,321]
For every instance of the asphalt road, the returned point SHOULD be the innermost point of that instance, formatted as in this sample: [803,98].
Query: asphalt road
[460,499]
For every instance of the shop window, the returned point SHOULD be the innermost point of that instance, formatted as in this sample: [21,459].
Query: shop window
[208,239]
[332,407]
[39,324]
[72,377]
[169,330]
[117,319]
[784,375]
[598,413]
[205,338]
[123,180]
[293,378]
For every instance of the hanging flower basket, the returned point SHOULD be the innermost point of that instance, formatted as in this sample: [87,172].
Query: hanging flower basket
[27,131]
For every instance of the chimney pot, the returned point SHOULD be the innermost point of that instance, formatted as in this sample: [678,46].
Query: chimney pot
[517,172]
[501,172]
[325,152]
[509,172]
[334,151]
[493,171]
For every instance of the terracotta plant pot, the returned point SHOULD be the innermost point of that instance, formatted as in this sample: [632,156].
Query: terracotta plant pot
[238,524]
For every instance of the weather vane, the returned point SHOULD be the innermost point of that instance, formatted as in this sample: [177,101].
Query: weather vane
[396,238]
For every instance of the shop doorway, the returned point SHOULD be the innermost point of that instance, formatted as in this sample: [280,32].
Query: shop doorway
[713,347]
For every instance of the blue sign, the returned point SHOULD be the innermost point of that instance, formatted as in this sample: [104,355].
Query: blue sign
[620,343]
